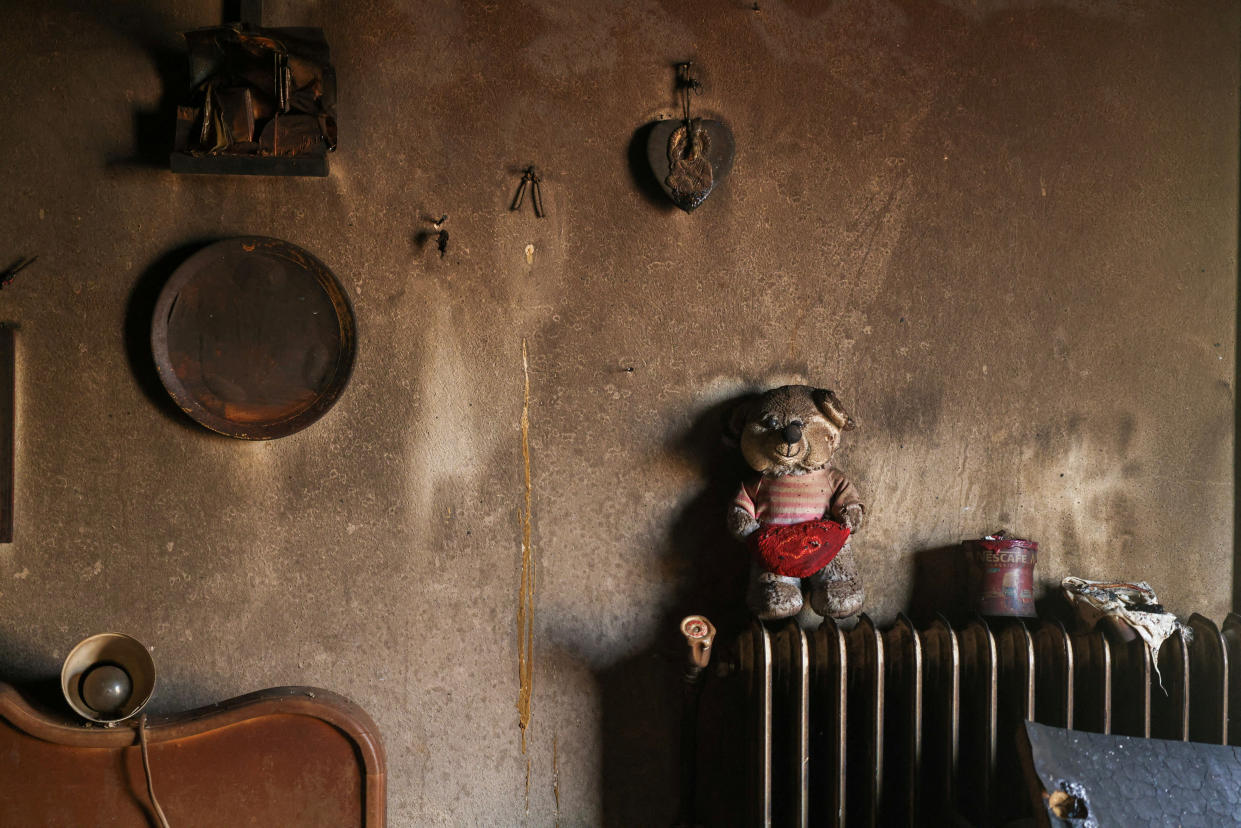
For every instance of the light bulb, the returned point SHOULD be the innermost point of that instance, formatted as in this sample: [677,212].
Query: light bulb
[106,688]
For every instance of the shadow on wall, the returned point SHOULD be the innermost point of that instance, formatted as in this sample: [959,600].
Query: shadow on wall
[34,674]
[153,34]
[640,169]
[642,695]
[939,585]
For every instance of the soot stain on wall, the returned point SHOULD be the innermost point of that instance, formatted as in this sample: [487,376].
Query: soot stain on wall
[1006,235]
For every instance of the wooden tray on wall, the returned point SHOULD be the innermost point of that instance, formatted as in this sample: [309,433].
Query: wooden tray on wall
[296,757]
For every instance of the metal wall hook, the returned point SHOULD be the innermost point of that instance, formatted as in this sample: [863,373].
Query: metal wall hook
[530,178]
[6,276]
[439,234]
[688,85]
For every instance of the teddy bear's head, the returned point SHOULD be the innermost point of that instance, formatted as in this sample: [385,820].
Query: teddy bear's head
[793,429]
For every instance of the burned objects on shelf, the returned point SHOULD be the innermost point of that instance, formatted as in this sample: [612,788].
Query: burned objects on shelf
[261,102]
[689,156]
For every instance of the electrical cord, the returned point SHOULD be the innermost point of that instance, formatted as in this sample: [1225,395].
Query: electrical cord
[146,766]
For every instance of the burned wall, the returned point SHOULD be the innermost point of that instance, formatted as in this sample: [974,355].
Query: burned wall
[1004,232]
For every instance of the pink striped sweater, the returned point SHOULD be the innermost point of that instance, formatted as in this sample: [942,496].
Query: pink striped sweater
[796,498]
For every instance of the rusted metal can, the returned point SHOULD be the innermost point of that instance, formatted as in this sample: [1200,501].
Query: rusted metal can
[1002,575]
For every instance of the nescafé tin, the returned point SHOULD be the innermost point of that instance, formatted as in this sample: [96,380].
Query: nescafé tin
[1002,575]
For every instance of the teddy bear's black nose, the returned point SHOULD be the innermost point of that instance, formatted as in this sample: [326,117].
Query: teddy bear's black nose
[792,433]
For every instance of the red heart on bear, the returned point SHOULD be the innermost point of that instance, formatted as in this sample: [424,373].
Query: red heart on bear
[798,550]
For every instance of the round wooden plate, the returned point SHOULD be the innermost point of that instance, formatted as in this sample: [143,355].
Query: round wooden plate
[254,338]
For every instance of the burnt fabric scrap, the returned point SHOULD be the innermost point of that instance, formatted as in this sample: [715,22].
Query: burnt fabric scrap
[258,92]
[1134,603]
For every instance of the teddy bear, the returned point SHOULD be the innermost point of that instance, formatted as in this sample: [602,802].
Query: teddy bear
[796,512]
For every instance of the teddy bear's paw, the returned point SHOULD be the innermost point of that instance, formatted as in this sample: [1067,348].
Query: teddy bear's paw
[741,523]
[836,591]
[837,599]
[853,518]
[771,599]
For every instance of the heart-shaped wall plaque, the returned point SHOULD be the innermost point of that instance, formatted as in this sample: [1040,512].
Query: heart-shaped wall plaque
[690,159]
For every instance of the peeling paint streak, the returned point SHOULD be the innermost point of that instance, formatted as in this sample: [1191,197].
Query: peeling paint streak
[556,777]
[525,606]
[527,787]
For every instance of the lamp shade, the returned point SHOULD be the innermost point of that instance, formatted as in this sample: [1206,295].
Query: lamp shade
[108,677]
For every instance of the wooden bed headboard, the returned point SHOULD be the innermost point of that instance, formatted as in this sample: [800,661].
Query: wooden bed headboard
[296,757]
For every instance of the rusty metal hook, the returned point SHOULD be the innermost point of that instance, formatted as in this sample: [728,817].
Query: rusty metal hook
[536,195]
[529,178]
[521,191]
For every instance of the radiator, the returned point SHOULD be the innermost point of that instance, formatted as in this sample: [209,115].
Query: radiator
[908,726]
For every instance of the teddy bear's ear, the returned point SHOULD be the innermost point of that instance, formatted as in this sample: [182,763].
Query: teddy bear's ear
[829,404]
[735,417]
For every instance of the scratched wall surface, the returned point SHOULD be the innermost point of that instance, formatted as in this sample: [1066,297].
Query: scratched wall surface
[1004,232]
